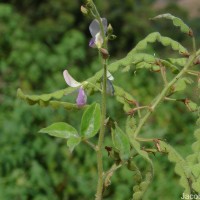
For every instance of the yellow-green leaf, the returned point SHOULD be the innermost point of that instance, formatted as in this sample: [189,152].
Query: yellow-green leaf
[177,22]
[165,41]
[181,166]
[73,142]
[60,129]
[121,143]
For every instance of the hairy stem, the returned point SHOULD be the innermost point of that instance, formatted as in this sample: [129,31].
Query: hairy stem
[99,192]
[101,138]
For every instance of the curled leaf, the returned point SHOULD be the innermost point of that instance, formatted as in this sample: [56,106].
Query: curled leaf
[176,21]
[165,41]
[181,166]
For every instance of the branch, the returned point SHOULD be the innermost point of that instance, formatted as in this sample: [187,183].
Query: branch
[162,95]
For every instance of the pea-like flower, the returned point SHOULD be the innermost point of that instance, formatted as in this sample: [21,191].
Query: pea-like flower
[109,86]
[82,97]
[97,38]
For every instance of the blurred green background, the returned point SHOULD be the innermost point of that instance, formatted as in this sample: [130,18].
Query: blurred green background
[38,40]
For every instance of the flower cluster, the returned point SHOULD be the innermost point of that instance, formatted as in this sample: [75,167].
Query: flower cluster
[95,42]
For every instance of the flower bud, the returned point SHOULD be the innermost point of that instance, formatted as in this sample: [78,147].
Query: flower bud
[104,53]
[89,4]
[84,10]
[110,29]
[112,37]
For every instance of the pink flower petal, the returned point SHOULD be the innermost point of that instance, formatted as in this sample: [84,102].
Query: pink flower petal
[70,80]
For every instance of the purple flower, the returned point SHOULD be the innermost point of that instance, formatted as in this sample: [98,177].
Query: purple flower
[97,38]
[82,97]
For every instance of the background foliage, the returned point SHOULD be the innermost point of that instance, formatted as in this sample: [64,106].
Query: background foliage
[39,39]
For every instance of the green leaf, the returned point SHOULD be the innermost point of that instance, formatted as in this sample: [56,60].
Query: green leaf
[132,57]
[178,61]
[181,84]
[65,105]
[171,66]
[33,99]
[196,185]
[60,129]
[130,126]
[137,174]
[122,96]
[46,99]
[141,188]
[130,129]
[193,160]
[165,41]
[144,65]
[176,21]
[133,167]
[121,143]
[144,60]
[192,106]
[198,122]
[181,166]
[139,57]
[91,121]
[73,142]
[137,195]
[144,154]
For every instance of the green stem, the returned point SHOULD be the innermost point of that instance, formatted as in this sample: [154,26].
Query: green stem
[145,139]
[108,175]
[101,138]
[169,99]
[99,192]
[194,44]
[162,95]
[113,168]
[93,146]
[163,73]
[192,72]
